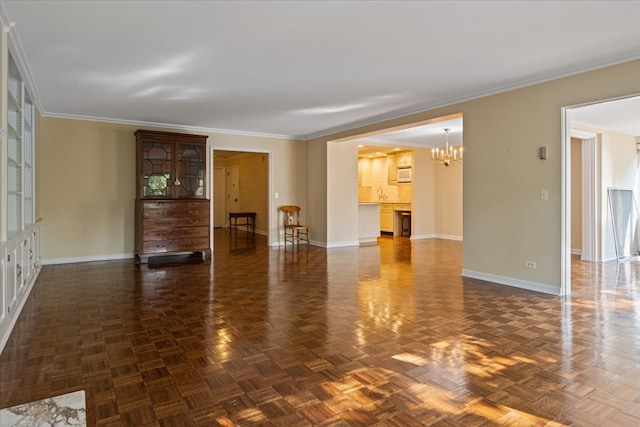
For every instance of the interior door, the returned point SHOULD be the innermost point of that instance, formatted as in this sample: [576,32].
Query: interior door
[218,196]
[233,189]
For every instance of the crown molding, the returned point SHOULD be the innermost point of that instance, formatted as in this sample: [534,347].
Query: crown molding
[19,57]
[423,108]
[5,22]
[165,125]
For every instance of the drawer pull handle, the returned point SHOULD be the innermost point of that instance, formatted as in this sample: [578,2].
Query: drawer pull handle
[18,270]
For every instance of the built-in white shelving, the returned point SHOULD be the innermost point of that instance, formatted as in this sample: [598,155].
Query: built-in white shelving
[20,249]
[20,171]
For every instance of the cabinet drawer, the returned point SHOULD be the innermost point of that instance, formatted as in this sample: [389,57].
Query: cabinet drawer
[402,206]
[175,245]
[386,206]
[162,210]
[174,233]
[152,223]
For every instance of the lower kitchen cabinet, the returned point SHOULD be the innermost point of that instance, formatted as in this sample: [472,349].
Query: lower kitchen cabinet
[386,217]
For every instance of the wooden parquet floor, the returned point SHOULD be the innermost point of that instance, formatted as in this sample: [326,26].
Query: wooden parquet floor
[386,335]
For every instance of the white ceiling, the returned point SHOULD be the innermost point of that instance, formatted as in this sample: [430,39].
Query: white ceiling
[305,68]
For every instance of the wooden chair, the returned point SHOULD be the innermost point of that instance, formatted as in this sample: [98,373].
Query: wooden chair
[294,232]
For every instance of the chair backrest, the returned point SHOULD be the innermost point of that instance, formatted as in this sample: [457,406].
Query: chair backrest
[291,214]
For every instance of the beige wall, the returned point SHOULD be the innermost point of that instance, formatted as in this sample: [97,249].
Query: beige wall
[423,223]
[505,222]
[86,177]
[342,194]
[448,200]
[316,214]
[86,182]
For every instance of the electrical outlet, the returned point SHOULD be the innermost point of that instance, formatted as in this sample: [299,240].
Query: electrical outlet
[530,264]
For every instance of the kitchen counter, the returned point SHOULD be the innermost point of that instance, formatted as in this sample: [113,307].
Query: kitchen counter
[368,222]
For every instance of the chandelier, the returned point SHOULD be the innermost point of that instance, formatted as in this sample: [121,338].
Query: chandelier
[446,155]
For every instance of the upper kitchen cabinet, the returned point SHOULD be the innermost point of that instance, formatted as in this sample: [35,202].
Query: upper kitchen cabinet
[404,159]
[392,169]
[170,165]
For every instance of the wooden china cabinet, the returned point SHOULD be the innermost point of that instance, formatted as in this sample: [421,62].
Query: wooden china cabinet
[172,211]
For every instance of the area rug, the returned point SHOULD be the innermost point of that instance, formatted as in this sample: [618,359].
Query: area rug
[64,410]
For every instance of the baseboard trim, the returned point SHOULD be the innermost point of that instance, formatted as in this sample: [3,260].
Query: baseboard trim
[509,281]
[436,236]
[342,244]
[368,241]
[14,319]
[74,260]
[422,236]
[448,237]
[576,251]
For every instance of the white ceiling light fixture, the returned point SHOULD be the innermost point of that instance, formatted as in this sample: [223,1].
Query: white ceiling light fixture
[446,155]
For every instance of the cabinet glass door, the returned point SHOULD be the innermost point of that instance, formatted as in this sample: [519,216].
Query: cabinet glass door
[190,170]
[157,165]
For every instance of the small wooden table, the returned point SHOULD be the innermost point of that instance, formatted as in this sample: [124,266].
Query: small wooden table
[250,221]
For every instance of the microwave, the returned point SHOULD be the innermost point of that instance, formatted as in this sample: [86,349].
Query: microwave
[404,175]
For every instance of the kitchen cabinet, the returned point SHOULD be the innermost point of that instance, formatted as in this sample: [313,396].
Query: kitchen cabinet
[386,217]
[390,217]
[392,169]
[404,159]
[402,207]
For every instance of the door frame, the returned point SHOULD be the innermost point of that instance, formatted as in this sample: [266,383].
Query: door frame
[227,190]
[223,171]
[211,148]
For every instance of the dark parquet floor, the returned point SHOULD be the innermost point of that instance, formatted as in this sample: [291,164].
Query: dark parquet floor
[387,335]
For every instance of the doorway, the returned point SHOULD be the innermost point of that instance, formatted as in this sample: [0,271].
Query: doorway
[434,196]
[607,135]
[241,182]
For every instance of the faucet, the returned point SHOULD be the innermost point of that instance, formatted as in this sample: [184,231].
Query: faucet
[380,195]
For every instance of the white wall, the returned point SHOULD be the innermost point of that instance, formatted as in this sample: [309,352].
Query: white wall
[619,170]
